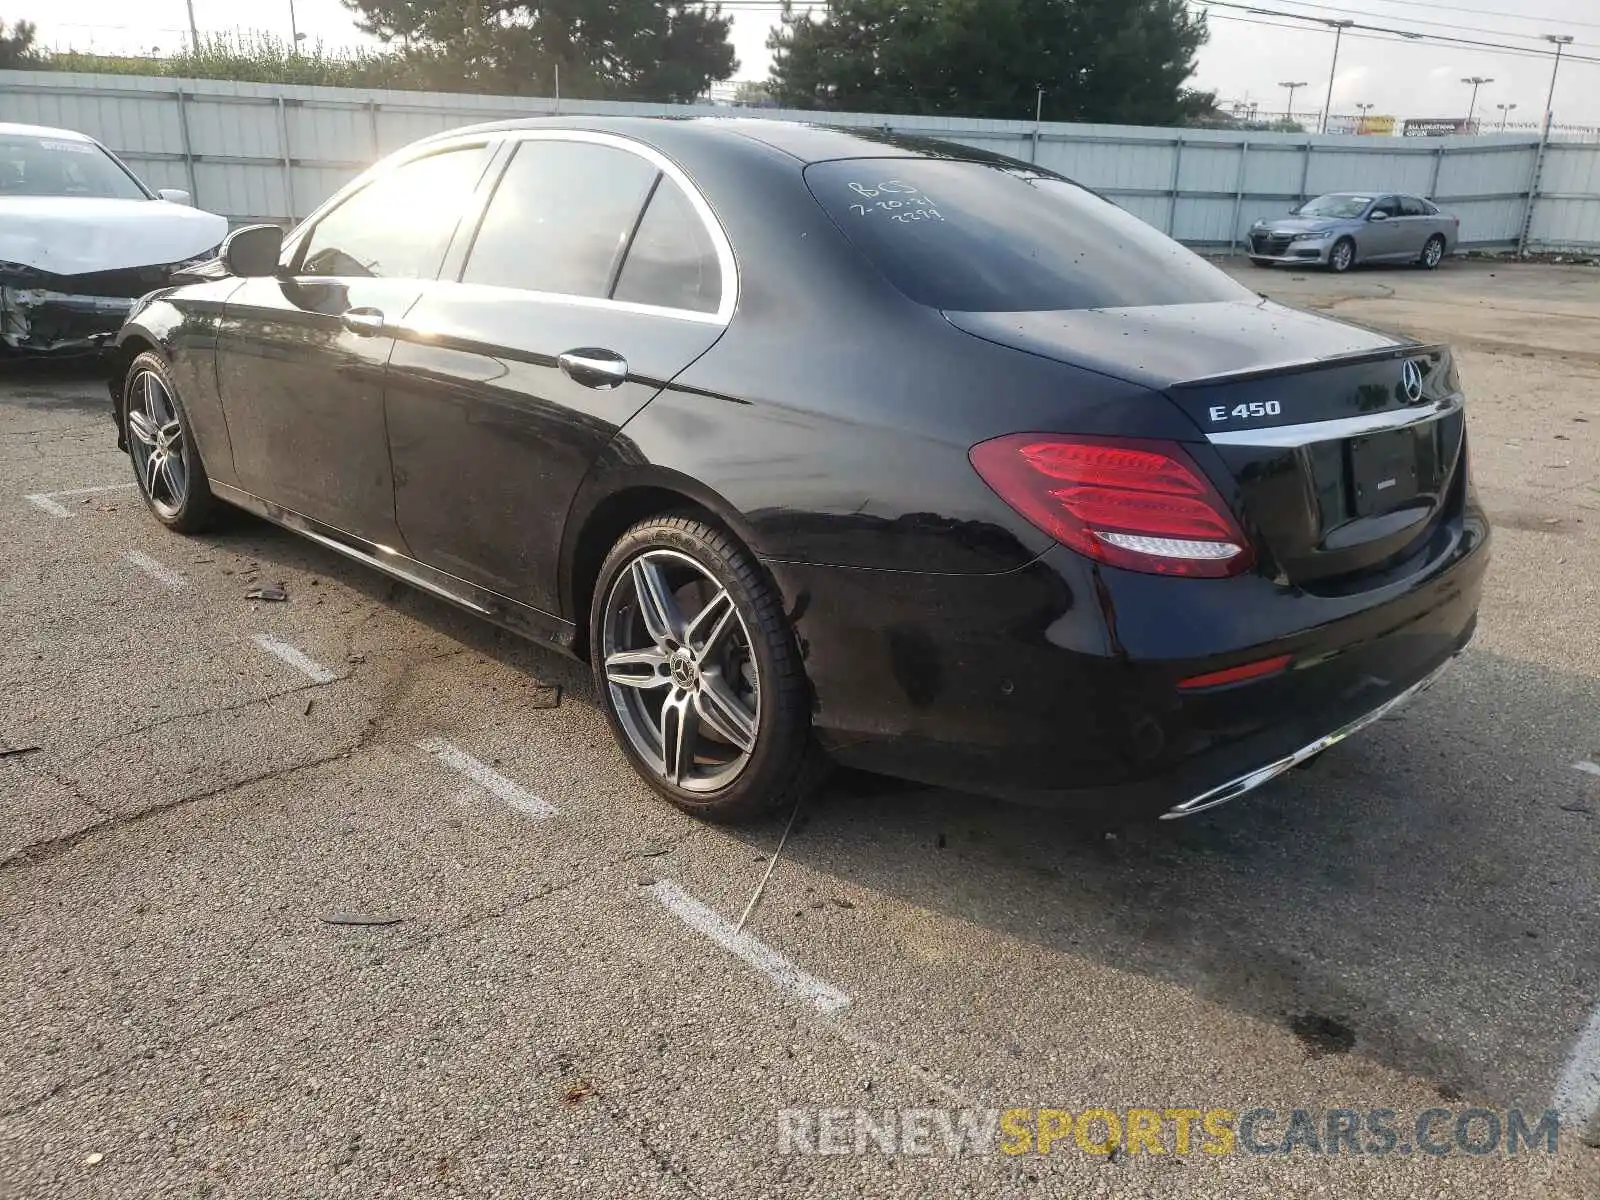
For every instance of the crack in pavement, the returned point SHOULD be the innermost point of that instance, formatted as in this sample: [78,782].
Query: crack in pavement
[41,852]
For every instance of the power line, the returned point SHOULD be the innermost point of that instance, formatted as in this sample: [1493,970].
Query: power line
[1486,12]
[1356,12]
[1408,35]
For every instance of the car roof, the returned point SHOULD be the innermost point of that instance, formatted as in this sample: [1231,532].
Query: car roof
[69,135]
[809,143]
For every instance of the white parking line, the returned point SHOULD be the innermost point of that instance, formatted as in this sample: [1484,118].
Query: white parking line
[48,500]
[1577,1096]
[163,575]
[486,777]
[821,996]
[1588,768]
[295,658]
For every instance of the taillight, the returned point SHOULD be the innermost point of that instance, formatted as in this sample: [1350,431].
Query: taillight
[1138,504]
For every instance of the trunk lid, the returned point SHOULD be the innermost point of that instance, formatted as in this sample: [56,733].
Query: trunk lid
[1342,447]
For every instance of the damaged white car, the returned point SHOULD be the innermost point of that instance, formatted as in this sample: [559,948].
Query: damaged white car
[82,238]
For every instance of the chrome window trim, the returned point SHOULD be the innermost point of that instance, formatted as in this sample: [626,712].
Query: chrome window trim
[726,264]
[1291,436]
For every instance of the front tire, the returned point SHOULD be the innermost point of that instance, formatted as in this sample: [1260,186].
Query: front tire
[1432,253]
[1342,257]
[166,461]
[699,673]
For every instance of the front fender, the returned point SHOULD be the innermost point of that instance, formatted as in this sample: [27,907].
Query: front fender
[182,324]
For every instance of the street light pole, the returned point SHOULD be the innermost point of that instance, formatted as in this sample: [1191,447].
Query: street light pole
[1476,81]
[1338,33]
[1505,111]
[1293,87]
[1561,40]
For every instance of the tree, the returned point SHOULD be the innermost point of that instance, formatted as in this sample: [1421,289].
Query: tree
[668,50]
[1122,61]
[752,93]
[16,47]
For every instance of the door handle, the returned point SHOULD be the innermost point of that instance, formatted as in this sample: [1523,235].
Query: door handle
[366,322]
[598,369]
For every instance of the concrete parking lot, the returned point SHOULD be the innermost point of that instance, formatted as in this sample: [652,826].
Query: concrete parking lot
[351,895]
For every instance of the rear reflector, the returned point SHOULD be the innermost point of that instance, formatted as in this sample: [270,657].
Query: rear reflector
[1141,505]
[1253,670]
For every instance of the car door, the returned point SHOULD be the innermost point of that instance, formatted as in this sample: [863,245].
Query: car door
[301,356]
[1382,237]
[597,274]
[1415,226]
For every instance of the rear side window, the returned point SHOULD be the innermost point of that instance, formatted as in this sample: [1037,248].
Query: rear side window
[672,262]
[560,218]
[971,237]
[400,224]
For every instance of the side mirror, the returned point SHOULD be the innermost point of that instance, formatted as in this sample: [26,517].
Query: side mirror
[252,252]
[1379,216]
[175,195]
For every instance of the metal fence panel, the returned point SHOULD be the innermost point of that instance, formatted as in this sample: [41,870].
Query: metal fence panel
[256,151]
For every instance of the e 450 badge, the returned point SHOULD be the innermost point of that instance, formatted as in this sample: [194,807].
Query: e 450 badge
[1244,412]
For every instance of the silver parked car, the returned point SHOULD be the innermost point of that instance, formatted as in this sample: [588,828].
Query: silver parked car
[1343,228]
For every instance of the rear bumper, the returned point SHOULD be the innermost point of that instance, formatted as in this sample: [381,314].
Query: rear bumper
[1045,686]
[1251,780]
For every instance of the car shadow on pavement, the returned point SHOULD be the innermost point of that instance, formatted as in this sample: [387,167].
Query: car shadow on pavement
[1423,895]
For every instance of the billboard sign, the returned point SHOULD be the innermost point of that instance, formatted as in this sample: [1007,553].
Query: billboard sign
[1438,127]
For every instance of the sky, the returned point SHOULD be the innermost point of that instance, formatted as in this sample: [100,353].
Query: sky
[1247,58]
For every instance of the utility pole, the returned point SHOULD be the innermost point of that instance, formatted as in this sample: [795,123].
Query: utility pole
[1361,125]
[1338,32]
[194,31]
[1505,111]
[1293,87]
[294,30]
[1476,81]
[1561,41]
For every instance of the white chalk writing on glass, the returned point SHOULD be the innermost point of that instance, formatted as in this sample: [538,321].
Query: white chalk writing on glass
[898,200]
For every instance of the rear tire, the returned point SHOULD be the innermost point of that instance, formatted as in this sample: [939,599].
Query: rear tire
[1342,257]
[166,461]
[1432,253]
[699,674]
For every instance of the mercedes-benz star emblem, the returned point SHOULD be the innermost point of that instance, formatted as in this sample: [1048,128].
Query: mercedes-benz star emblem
[1411,381]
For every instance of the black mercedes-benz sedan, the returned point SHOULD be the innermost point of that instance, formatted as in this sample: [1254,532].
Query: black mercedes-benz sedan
[834,447]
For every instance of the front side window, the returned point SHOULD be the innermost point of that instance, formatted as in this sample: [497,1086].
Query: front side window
[672,262]
[975,237]
[1410,206]
[560,218]
[1389,206]
[400,224]
[36,165]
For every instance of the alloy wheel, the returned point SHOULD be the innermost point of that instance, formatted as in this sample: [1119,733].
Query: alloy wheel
[681,676]
[157,440]
[1433,252]
[1343,255]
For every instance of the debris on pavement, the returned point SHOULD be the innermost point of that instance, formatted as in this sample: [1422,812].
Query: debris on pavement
[17,751]
[360,919]
[267,591]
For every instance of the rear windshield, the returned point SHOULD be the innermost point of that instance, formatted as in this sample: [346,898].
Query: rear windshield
[31,165]
[975,237]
